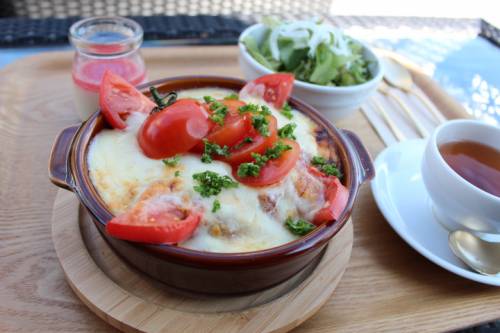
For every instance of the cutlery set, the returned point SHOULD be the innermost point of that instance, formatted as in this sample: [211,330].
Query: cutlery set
[397,77]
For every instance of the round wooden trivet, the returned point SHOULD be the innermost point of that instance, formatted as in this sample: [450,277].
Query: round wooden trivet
[133,302]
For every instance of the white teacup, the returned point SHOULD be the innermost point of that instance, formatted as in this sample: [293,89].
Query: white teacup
[458,204]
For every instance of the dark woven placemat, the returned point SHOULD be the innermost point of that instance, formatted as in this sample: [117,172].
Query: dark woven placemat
[204,28]
[213,29]
[493,327]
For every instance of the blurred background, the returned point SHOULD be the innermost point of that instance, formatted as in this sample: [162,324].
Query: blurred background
[455,42]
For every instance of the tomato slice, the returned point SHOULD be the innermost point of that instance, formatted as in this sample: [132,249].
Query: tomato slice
[274,170]
[118,98]
[233,105]
[174,130]
[336,197]
[242,151]
[273,88]
[234,129]
[156,218]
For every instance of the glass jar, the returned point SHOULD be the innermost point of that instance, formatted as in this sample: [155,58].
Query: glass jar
[104,43]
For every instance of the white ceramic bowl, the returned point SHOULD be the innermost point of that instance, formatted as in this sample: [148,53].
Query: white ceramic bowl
[458,204]
[335,102]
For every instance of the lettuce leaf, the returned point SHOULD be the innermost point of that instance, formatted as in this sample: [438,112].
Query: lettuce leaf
[327,65]
[253,49]
[290,55]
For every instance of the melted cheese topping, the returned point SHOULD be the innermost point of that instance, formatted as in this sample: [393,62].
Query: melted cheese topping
[249,219]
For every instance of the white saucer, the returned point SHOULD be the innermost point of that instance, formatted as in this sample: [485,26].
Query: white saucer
[401,196]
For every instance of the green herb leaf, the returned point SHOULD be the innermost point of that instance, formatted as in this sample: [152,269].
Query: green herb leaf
[172,161]
[261,124]
[328,168]
[331,170]
[287,131]
[252,169]
[177,173]
[215,206]
[212,149]
[318,161]
[233,96]
[259,159]
[265,110]
[209,99]
[249,169]
[242,143]
[219,112]
[252,108]
[211,183]
[287,111]
[259,120]
[276,150]
[299,227]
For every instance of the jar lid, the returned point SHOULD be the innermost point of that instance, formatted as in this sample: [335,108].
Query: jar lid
[106,36]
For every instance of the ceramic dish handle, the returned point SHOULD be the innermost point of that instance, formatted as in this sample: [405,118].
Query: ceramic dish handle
[367,169]
[58,163]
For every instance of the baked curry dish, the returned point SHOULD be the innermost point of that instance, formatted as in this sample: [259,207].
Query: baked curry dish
[213,169]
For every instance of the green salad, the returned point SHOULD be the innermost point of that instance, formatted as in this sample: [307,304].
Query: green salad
[314,52]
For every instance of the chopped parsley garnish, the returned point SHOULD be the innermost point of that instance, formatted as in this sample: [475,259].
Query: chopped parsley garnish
[232,96]
[212,149]
[328,168]
[252,169]
[177,173]
[172,161]
[219,113]
[209,99]
[264,110]
[299,227]
[252,108]
[219,110]
[261,124]
[259,159]
[215,206]
[249,169]
[276,150]
[287,131]
[211,183]
[242,143]
[287,111]
[259,120]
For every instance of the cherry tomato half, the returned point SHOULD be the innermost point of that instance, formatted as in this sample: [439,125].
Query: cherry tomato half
[174,130]
[235,126]
[155,219]
[273,88]
[336,197]
[118,98]
[242,151]
[274,170]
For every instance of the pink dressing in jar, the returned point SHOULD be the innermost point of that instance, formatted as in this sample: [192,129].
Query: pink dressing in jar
[104,43]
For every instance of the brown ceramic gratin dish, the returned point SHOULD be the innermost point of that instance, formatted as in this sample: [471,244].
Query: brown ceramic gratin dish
[209,272]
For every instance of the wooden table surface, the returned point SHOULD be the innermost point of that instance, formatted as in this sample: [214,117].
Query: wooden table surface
[387,286]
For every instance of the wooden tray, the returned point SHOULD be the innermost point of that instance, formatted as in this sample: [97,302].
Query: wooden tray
[386,287]
[130,301]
